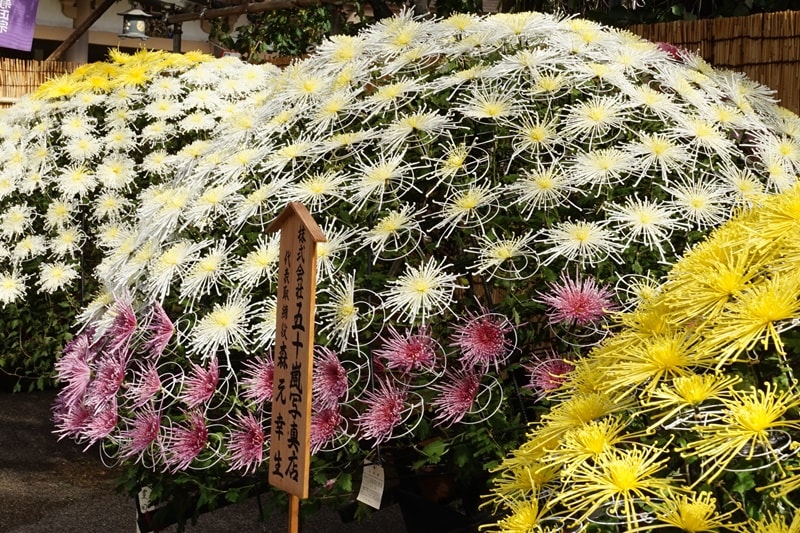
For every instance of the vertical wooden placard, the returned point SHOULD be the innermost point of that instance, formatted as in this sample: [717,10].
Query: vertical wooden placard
[290,454]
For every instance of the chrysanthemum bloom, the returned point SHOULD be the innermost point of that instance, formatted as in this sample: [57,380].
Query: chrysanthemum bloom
[257,379]
[200,385]
[141,432]
[547,374]
[484,340]
[420,292]
[74,368]
[109,374]
[101,422]
[455,396]
[123,325]
[408,352]
[144,385]
[580,302]
[70,419]
[330,378]
[182,443]
[325,426]
[619,478]
[748,422]
[694,513]
[159,331]
[246,443]
[383,411]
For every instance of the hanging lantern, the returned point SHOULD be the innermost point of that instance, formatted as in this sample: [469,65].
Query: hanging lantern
[134,23]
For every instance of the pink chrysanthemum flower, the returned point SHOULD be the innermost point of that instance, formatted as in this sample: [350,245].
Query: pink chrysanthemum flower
[199,387]
[142,432]
[547,374]
[109,374]
[384,410]
[483,340]
[70,419]
[74,370]
[455,396]
[330,378]
[122,327]
[144,385]
[246,444]
[257,379]
[325,425]
[577,302]
[408,352]
[159,331]
[183,443]
[101,423]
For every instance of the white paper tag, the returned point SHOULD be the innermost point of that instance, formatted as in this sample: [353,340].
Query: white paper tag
[372,482]
[144,500]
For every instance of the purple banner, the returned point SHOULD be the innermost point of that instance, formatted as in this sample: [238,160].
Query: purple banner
[17,22]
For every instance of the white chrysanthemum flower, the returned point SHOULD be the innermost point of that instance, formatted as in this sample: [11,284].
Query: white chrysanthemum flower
[206,274]
[210,203]
[600,116]
[287,154]
[467,207]
[76,181]
[540,188]
[163,109]
[656,102]
[489,104]
[226,326]
[8,184]
[585,242]
[425,125]
[781,149]
[372,179]
[156,162]
[197,121]
[59,214]
[157,132]
[258,207]
[660,152]
[420,292]
[165,87]
[779,178]
[703,203]
[266,320]
[77,125]
[392,95]
[260,264]
[205,99]
[602,168]
[648,222]
[67,242]
[110,206]
[116,172]
[505,257]
[745,188]
[161,207]
[56,276]
[535,135]
[170,265]
[340,315]
[16,220]
[318,191]
[703,134]
[120,140]
[195,150]
[12,287]
[395,231]
[332,252]
[29,246]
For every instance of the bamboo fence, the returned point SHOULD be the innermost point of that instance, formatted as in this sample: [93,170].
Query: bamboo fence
[19,77]
[765,46]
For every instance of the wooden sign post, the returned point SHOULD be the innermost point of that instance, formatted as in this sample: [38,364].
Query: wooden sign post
[290,449]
